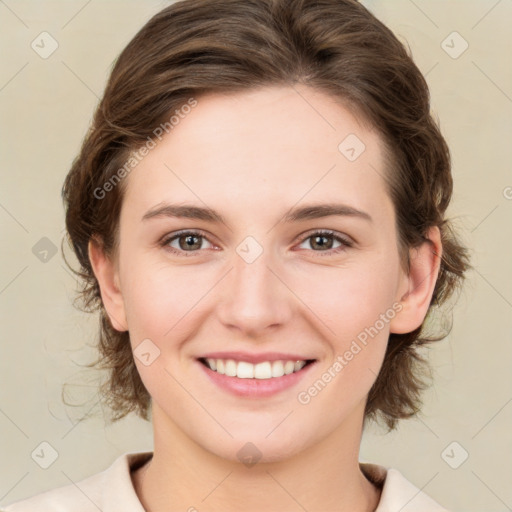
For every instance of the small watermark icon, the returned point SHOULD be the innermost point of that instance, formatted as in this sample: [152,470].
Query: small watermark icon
[44,45]
[249,249]
[249,455]
[146,352]
[44,249]
[351,147]
[44,455]
[454,45]
[454,455]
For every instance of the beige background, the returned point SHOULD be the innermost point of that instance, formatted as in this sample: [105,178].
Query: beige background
[46,105]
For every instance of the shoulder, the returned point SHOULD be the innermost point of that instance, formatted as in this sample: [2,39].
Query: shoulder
[398,493]
[110,490]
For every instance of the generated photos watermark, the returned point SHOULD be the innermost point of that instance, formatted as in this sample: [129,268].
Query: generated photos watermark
[141,152]
[342,360]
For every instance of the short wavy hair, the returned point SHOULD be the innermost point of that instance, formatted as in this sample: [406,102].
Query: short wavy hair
[338,47]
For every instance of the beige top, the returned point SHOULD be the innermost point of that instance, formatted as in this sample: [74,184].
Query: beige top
[112,491]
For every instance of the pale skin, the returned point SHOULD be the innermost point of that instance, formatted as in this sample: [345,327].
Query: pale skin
[252,157]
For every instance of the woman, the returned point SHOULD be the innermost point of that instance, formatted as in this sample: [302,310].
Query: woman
[259,215]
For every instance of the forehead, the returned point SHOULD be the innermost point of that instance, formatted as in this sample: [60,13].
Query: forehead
[274,146]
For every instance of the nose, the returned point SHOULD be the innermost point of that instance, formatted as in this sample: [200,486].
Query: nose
[255,298]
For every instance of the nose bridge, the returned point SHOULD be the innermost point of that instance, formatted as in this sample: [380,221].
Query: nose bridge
[254,297]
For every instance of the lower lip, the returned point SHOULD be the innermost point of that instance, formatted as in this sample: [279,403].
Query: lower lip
[255,388]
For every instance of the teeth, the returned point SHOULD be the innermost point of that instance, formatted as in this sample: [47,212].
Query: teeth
[277,369]
[230,368]
[289,367]
[245,370]
[263,370]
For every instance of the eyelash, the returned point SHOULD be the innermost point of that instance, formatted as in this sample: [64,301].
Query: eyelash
[346,243]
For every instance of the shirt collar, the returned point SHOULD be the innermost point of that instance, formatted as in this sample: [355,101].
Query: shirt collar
[397,493]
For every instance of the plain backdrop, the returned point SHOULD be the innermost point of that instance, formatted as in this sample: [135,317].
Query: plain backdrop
[457,451]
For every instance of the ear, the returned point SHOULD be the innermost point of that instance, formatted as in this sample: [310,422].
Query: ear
[108,279]
[416,289]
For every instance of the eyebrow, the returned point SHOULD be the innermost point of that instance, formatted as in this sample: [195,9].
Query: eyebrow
[308,212]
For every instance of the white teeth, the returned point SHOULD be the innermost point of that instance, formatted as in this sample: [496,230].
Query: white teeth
[298,365]
[245,370]
[263,370]
[230,368]
[289,367]
[277,369]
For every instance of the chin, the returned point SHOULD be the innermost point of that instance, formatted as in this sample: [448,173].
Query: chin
[255,445]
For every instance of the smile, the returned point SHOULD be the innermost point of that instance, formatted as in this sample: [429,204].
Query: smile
[262,370]
[261,379]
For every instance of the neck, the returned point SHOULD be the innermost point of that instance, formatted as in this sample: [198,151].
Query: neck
[182,475]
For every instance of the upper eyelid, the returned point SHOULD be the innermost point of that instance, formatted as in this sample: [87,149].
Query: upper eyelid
[332,232]
[172,236]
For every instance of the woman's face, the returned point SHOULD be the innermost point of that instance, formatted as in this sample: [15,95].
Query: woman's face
[261,285]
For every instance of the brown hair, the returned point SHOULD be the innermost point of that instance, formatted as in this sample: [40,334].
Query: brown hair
[195,47]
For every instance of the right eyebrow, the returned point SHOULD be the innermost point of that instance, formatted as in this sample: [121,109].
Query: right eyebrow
[184,211]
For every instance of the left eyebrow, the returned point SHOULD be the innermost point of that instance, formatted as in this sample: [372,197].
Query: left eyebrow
[313,211]
[318,211]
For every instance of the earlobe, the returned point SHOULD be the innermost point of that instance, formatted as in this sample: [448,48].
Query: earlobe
[108,280]
[425,262]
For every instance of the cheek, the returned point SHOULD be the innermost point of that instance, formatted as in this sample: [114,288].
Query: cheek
[354,315]
[348,300]
[161,305]
[355,355]
[158,298]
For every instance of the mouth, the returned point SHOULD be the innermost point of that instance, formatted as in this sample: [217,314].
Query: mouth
[264,370]
[258,379]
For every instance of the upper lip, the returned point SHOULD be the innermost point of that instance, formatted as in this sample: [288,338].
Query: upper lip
[256,358]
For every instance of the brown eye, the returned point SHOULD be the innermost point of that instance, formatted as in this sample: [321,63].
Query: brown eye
[189,242]
[322,241]
[183,242]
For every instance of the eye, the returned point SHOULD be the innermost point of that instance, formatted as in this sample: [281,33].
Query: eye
[192,242]
[186,241]
[323,240]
